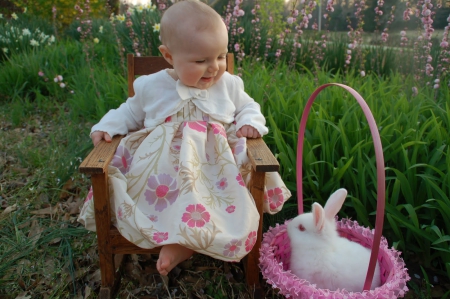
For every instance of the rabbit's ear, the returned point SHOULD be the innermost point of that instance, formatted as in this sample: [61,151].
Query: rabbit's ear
[318,216]
[334,203]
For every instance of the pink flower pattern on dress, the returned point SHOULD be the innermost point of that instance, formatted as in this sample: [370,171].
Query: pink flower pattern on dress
[218,129]
[168,119]
[232,248]
[199,126]
[90,195]
[240,145]
[162,190]
[120,213]
[222,184]
[160,237]
[251,241]
[240,180]
[196,216]
[230,209]
[152,218]
[274,197]
[122,159]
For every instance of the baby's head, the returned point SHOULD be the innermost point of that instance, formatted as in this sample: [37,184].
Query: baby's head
[195,42]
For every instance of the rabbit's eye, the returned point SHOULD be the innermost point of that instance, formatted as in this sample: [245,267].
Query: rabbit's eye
[301,228]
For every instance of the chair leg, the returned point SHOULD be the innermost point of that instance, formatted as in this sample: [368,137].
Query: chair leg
[103,225]
[257,186]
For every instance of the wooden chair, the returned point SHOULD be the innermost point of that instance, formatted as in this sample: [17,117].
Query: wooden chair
[111,245]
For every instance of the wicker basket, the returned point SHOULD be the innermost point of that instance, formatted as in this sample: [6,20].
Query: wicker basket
[275,248]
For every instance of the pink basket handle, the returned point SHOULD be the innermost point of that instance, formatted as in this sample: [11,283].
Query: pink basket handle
[381,190]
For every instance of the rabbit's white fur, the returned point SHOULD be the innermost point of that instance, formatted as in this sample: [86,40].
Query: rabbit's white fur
[320,256]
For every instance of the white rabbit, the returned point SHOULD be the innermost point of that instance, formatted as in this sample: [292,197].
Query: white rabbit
[320,256]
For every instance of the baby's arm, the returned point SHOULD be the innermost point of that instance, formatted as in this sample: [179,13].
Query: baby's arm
[97,136]
[248,117]
[127,117]
[248,131]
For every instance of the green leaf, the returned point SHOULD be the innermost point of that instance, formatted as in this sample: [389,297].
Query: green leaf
[442,239]
[405,186]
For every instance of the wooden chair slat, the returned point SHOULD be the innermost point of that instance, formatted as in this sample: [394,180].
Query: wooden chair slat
[120,245]
[145,66]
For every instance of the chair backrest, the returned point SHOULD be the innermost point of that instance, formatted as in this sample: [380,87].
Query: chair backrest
[146,65]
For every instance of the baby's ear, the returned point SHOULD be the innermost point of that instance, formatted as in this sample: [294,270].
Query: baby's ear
[166,54]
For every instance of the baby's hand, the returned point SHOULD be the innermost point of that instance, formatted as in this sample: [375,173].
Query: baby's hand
[99,135]
[248,131]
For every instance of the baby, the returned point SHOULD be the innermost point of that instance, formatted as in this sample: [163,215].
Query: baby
[180,181]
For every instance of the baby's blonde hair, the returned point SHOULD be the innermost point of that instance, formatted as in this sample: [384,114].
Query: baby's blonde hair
[187,16]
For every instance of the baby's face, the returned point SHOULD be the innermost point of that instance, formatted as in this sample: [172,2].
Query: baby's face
[199,59]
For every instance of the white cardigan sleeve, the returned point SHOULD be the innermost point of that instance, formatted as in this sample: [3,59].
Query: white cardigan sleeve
[248,112]
[128,117]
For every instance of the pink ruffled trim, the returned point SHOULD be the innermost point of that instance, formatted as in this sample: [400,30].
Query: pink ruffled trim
[274,264]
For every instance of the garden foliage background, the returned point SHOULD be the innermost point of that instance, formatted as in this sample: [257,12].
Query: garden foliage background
[64,65]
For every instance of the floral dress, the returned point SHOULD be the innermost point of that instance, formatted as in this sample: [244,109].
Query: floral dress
[186,182]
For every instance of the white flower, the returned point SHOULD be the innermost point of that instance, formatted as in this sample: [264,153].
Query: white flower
[96,40]
[120,18]
[1,16]
[55,79]
[156,27]
[14,16]
[139,8]
[60,78]
[25,10]
[363,73]
[62,85]
[100,29]
[26,31]
[34,43]
[5,50]
[43,37]
[51,40]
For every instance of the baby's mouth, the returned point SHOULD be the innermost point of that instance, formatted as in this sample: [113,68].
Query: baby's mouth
[207,79]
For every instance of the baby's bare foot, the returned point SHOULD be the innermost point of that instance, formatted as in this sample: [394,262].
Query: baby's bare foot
[170,256]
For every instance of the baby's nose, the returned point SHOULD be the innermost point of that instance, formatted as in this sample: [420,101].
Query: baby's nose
[214,66]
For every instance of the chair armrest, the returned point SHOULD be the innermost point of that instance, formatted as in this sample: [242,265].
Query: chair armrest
[98,159]
[260,156]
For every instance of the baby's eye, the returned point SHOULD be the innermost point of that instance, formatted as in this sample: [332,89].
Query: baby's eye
[222,57]
[200,61]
